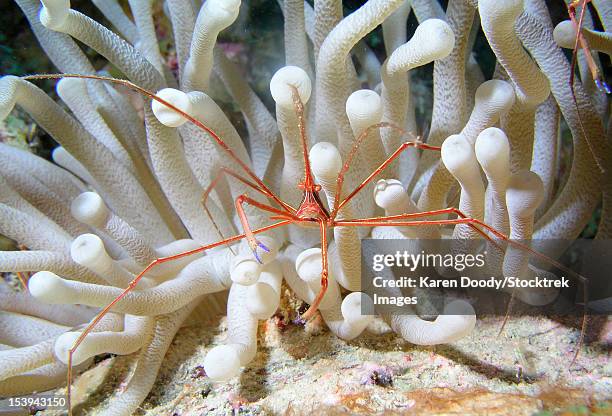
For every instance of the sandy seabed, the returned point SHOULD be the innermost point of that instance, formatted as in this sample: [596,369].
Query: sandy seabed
[307,370]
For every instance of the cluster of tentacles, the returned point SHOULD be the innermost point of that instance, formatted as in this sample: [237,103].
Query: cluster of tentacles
[123,191]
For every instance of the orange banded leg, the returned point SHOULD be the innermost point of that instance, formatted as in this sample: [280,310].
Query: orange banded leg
[324,274]
[338,204]
[593,68]
[250,237]
[203,127]
[216,180]
[23,279]
[480,227]
[135,281]
[582,42]
[227,171]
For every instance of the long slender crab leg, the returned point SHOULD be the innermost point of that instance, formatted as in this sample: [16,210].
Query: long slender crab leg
[338,204]
[595,73]
[480,227]
[188,117]
[249,234]
[582,42]
[286,210]
[229,172]
[135,281]
[225,171]
[324,274]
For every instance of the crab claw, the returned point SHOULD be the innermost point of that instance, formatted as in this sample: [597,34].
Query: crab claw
[254,245]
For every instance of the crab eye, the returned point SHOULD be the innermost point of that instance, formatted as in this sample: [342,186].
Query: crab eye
[317,188]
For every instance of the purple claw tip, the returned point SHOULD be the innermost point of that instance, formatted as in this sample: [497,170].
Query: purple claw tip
[264,248]
[257,257]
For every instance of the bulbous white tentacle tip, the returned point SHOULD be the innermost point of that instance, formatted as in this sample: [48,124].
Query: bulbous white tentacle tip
[64,343]
[441,36]
[283,78]
[222,363]
[457,153]
[389,193]
[263,300]
[245,270]
[497,93]
[502,11]
[166,115]
[48,287]
[88,250]
[364,106]
[89,208]
[64,85]
[309,265]
[357,306]
[524,194]
[58,154]
[565,34]
[492,148]
[433,39]
[325,160]
[272,245]
[54,13]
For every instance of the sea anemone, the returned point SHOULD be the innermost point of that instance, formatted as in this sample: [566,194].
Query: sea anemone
[125,190]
